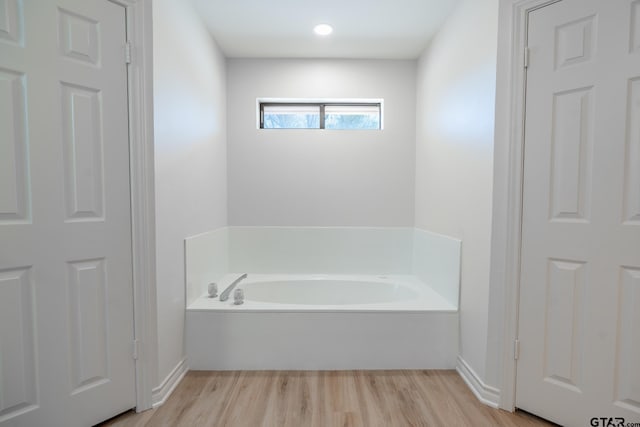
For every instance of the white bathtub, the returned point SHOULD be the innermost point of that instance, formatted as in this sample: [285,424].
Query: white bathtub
[314,321]
[387,298]
[327,292]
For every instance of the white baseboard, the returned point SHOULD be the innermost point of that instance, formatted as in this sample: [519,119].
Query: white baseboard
[161,393]
[485,393]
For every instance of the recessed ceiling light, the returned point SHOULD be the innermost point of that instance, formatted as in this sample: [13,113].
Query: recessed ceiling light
[323,29]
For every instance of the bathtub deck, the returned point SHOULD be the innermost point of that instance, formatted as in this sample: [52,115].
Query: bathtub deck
[428,301]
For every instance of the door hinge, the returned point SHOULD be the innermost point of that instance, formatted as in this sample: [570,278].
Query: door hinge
[516,349]
[135,349]
[127,53]
[526,57]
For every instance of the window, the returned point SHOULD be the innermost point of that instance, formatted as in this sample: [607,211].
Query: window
[290,116]
[321,115]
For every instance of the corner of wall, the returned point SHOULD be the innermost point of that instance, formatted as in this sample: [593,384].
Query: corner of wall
[190,128]
[161,393]
[206,261]
[486,394]
[455,118]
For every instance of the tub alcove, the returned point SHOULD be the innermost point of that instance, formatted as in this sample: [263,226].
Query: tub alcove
[325,298]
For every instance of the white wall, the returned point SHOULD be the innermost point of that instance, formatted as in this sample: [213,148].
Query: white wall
[454,155]
[190,157]
[321,178]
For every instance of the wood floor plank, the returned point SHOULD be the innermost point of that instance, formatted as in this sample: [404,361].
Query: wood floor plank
[323,399]
[372,401]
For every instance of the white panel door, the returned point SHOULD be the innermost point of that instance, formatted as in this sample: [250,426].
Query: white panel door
[66,311]
[579,327]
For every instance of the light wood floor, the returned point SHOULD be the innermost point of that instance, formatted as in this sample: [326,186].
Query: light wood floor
[324,399]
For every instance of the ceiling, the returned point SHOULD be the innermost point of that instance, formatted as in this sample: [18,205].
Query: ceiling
[394,29]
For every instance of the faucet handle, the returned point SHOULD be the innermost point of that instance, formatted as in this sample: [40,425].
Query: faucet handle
[212,289]
[238,296]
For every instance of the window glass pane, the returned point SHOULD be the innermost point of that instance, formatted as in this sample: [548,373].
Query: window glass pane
[291,117]
[352,117]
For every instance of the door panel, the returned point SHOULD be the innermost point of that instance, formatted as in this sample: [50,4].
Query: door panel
[571,152]
[15,200]
[581,235]
[628,345]
[631,214]
[66,318]
[17,370]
